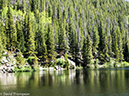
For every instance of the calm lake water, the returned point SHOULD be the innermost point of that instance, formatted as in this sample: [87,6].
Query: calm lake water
[99,82]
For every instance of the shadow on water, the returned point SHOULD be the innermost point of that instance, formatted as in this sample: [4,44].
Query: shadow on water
[112,81]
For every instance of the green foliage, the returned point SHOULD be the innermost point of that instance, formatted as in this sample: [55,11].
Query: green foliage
[35,61]
[66,61]
[125,64]
[87,51]
[22,69]
[50,43]
[95,41]
[44,27]
[3,35]
[20,36]
[11,30]
[30,60]
[30,42]
[114,42]
[20,59]
[61,62]
[1,48]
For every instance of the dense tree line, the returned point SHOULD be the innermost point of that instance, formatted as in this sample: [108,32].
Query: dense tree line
[87,30]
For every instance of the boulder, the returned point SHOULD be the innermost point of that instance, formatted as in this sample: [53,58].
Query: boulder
[50,69]
[4,60]
[71,62]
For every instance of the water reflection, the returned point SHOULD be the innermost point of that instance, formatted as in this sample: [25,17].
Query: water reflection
[70,82]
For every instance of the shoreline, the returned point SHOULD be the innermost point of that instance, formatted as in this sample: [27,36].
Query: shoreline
[5,69]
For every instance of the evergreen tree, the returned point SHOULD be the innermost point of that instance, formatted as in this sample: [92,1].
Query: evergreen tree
[84,52]
[41,46]
[126,48]
[20,59]
[87,51]
[18,5]
[115,42]
[73,41]
[11,30]
[44,51]
[66,60]
[103,45]
[3,35]
[104,21]
[89,56]
[120,45]
[110,46]
[50,43]
[30,43]
[1,43]
[20,36]
[1,4]
[1,48]
[32,5]
[24,5]
[95,41]
[62,38]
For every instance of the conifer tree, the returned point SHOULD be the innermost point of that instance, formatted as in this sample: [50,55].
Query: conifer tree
[35,61]
[30,43]
[41,46]
[95,41]
[11,29]
[1,4]
[62,38]
[89,56]
[20,36]
[110,46]
[50,43]
[49,10]
[87,51]
[73,41]
[1,47]
[18,5]
[76,49]
[115,42]
[25,29]
[126,48]
[120,45]
[103,45]
[3,35]
[66,60]
[38,5]
[32,5]
[24,5]
[44,51]
[84,51]
[1,40]
[104,21]
[20,59]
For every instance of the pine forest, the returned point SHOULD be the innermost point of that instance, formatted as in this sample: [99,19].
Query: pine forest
[88,32]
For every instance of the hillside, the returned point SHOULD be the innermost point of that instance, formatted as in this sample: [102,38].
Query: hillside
[87,31]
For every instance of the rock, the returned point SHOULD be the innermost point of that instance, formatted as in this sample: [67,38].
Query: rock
[42,69]
[71,62]
[50,69]
[4,60]
[57,67]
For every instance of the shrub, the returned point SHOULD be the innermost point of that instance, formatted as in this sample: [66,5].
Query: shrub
[20,59]
[60,62]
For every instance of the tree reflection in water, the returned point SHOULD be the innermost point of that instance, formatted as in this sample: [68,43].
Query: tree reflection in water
[68,82]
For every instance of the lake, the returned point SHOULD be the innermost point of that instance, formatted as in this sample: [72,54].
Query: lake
[98,82]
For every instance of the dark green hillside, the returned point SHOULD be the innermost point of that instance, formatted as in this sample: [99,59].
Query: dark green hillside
[88,30]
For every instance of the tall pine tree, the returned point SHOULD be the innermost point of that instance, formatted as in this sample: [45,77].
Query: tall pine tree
[11,30]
